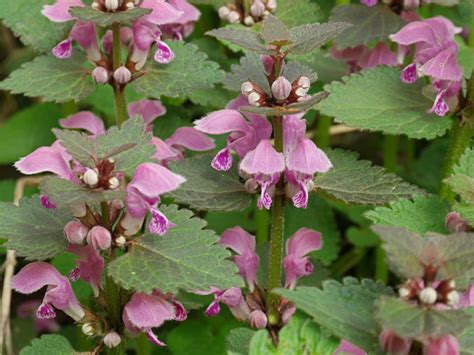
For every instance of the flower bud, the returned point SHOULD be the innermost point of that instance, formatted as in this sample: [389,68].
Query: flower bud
[224,12]
[287,314]
[114,183]
[393,344]
[88,329]
[100,75]
[254,99]
[452,298]
[403,292]
[111,5]
[281,88]
[304,82]
[268,64]
[120,241]
[411,5]
[75,232]
[122,75]
[446,344]
[428,295]
[258,319]
[95,5]
[249,21]
[78,210]
[257,9]
[90,177]
[271,5]
[247,88]
[455,223]
[99,238]
[233,17]
[130,5]
[112,339]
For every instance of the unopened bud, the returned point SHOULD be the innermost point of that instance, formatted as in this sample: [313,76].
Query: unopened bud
[452,284]
[114,183]
[75,232]
[246,88]
[455,223]
[78,210]
[120,241]
[403,292]
[251,186]
[249,21]
[88,329]
[112,339]
[100,75]
[281,88]
[130,5]
[122,75]
[90,177]
[111,5]
[95,5]
[224,12]
[254,99]
[391,343]
[99,238]
[233,17]
[258,319]
[410,5]
[287,314]
[271,5]
[301,92]
[428,295]
[452,298]
[257,9]
[448,343]
[304,82]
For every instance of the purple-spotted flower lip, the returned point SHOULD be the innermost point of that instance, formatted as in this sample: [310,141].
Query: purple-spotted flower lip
[59,294]
[231,297]
[89,266]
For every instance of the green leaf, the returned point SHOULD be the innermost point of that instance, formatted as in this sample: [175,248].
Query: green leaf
[261,344]
[103,19]
[26,21]
[466,339]
[249,69]
[27,130]
[324,64]
[186,258]
[346,310]
[423,214]
[466,211]
[466,58]
[238,341]
[294,70]
[307,38]
[34,232]
[50,344]
[358,182]
[64,193]
[190,70]
[362,237]
[52,79]
[274,31]
[370,24]
[320,217]
[367,101]
[415,322]
[241,37]
[298,12]
[207,189]
[462,179]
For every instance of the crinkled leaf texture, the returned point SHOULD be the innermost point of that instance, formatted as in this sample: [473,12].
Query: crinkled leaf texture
[129,145]
[298,12]
[358,182]
[369,24]
[24,18]
[377,100]
[33,231]
[49,344]
[462,179]
[466,339]
[423,214]
[240,37]
[238,341]
[249,69]
[102,18]
[346,309]
[274,31]
[408,253]
[418,322]
[190,70]
[207,189]
[186,258]
[52,79]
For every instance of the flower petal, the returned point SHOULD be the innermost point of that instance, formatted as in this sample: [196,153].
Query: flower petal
[191,138]
[45,159]
[263,160]
[220,122]
[85,120]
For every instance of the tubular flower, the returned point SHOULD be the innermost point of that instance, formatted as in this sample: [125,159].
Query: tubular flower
[435,56]
[232,298]
[149,110]
[362,57]
[143,195]
[184,24]
[89,266]
[296,263]
[59,293]
[144,312]
[84,33]
[247,260]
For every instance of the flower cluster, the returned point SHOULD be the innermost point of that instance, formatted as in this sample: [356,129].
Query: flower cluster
[251,307]
[236,12]
[173,19]
[435,56]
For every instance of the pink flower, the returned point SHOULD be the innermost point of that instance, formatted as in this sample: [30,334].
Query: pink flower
[362,57]
[85,120]
[84,33]
[143,194]
[89,266]
[435,56]
[59,293]
[348,348]
[232,298]
[369,2]
[59,11]
[247,259]
[444,345]
[394,344]
[149,110]
[296,263]
[265,165]
[182,26]
[466,299]
[144,312]
[27,309]
[244,134]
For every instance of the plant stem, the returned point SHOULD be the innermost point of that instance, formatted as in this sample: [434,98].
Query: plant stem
[410,153]
[119,90]
[343,2]
[277,231]
[114,305]
[323,138]
[262,224]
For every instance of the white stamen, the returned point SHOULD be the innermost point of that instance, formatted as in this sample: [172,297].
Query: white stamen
[254,99]
[120,241]
[114,183]
[247,88]
[224,11]
[95,5]
[233,17]
[130,5]
[403,292]
[249,21]
[453,298]
[271,5]
[304,82]
[90,177]
[301,92]
[88,329]
[452,284]
[428,295]
[111,5]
